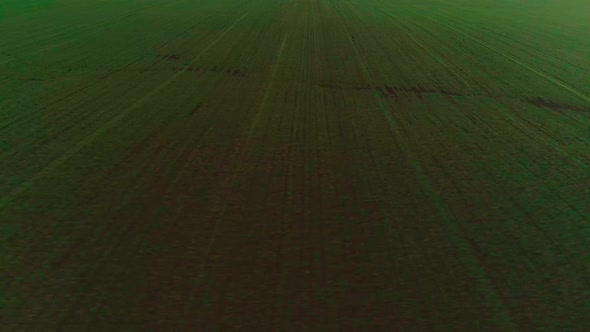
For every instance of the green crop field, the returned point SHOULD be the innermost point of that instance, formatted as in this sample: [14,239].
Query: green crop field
[294,165]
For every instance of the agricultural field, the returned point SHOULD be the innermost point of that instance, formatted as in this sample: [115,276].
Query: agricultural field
[294,165]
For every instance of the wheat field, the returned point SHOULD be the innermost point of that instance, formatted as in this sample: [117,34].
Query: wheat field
[294,165]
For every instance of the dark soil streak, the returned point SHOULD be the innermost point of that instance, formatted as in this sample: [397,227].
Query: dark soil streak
[420,90]
[392,91]
[170,57]
[343,86]
[230,72]
[238,73]
[552,105]
[195,109]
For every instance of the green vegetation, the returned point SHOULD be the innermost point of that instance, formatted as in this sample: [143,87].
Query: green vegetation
[305,165]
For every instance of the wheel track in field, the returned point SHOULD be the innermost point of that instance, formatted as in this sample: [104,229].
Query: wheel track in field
[6,199]
[220,205]
[453,228]
[316,232]
[89,139]
[517,117]
[530,68]
[107,24]
[522,212]
[540,102]
[547,145]
[287,162]
[177,74]
[108,74]
[552,79]
[531,17]
[368,165]
[525,47]
[140,231]
[106,232]
[65,116]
